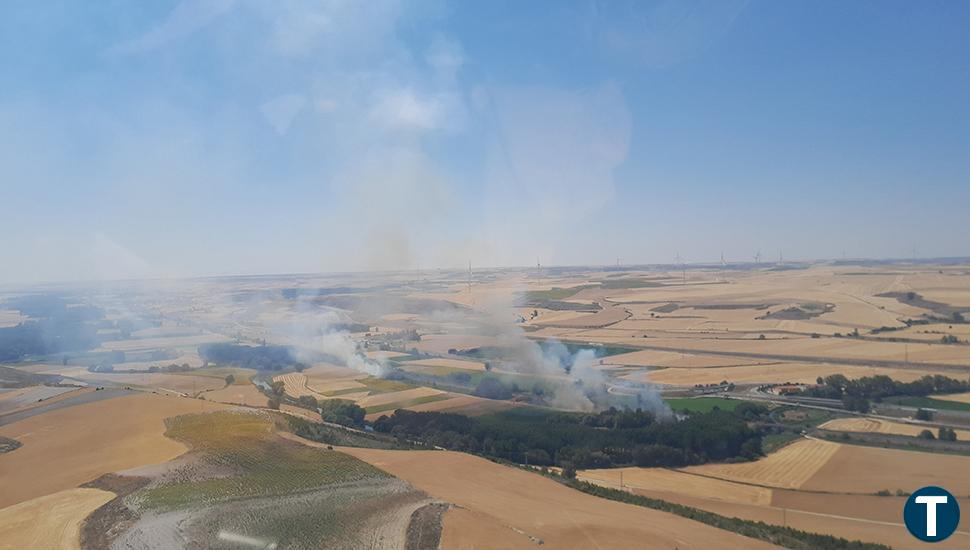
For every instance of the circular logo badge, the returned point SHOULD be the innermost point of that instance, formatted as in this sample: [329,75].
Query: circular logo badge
[931,514]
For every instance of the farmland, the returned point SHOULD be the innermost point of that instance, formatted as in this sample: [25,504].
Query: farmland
[831,488]
[790,467]
[244,442]
[242,477]
[523,508]
[50,521]
[872,425]
[540,387]
[66,447]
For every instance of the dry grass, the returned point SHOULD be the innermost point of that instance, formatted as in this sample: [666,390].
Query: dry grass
[51,521]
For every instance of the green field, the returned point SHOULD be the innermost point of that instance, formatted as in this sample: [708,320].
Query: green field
[407,403]
[242,376]
[929,403]
[262,463]
[701,404]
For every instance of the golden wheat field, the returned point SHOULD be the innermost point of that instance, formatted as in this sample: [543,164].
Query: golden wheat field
[875,425]
[788,468]
[50,521]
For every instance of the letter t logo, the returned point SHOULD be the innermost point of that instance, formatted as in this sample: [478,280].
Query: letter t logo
[931,502]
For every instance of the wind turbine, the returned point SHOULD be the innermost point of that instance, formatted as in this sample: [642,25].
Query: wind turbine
[757,257]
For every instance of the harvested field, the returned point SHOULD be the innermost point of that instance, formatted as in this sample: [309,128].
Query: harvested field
[449,364]
[171,342]
[241,376]
[464,529]
[506,500]
[21,398]
[50,521]
[891,533]
[178,383]
[651,358]
[788,468]
[777,372]
[329,371]
[294,384]
[602,318]
[397,397]
[467,405]
[238,395]
[958,397]
[660,479]
[330,386]
[874,425]
[858,469]
[67,447]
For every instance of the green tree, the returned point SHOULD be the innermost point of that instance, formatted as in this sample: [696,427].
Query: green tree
[947,434]
[342,411]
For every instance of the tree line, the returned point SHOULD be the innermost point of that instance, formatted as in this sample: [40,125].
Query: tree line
[611,438]
[856,394]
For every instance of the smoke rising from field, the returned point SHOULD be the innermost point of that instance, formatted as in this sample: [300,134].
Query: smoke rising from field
[578,382]
[316,331]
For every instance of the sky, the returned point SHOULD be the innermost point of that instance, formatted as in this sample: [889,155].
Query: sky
[218,137]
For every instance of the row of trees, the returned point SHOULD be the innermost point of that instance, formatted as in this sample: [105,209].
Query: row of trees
[610,438]
[943,434]
[878,387]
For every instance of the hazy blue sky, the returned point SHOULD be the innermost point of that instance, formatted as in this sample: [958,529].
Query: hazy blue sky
[201,137]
